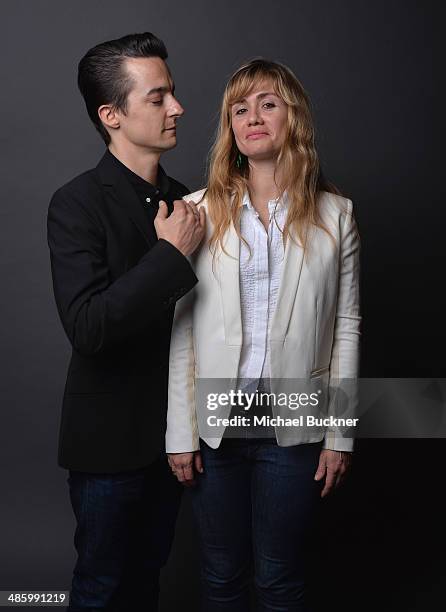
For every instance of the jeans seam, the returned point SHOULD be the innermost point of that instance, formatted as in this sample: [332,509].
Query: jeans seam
[87,516]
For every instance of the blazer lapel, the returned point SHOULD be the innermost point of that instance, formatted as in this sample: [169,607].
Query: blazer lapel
[229,276]
[122,192]
[289,282]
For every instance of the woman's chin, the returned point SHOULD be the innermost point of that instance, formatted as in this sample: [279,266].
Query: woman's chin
[263,156]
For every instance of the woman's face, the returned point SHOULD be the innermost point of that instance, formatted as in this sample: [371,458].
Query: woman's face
[259,122]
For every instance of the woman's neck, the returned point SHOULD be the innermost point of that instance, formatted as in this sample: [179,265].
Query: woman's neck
[263,185]
[263,182]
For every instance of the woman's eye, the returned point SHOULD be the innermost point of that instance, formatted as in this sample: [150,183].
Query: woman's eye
[240,111]
[157,102]
[269,105]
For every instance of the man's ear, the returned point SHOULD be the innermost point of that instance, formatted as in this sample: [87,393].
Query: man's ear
[109,116]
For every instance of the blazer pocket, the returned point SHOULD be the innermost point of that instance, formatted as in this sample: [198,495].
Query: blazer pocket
[319,371]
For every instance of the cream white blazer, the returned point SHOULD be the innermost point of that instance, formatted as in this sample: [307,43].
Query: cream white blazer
[315,329]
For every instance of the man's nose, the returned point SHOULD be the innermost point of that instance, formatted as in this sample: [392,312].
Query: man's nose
[176,108]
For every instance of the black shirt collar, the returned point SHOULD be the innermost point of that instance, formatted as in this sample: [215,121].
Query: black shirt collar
[143,187]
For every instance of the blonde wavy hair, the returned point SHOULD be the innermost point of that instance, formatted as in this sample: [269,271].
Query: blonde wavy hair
[228,180]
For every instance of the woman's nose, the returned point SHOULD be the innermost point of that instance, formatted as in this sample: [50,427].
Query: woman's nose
[254,117]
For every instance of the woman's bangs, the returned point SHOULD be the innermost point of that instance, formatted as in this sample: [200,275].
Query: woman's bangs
[244,82]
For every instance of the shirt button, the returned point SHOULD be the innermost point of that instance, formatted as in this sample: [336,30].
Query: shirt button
[148,200]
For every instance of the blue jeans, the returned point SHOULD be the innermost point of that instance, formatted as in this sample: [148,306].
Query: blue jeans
[255,503]
[125,527]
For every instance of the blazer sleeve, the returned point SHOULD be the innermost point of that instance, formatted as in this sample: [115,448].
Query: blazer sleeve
[182,429]
[96,312]
[344,364]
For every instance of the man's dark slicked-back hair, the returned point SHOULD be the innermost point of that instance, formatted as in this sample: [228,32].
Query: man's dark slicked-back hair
[102,77]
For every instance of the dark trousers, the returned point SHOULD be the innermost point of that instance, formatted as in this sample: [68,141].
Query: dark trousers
[254,505]
[125,527]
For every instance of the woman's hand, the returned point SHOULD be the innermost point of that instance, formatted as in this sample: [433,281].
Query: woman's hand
[334,465]
[184,465]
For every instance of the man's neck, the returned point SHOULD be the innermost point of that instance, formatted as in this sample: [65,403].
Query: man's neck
[143,163]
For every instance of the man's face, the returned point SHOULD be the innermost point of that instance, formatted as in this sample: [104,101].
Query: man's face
[152,109]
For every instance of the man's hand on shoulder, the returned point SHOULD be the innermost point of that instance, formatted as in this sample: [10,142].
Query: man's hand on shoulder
[184,228]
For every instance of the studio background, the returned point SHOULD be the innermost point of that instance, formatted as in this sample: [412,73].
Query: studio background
[368,68]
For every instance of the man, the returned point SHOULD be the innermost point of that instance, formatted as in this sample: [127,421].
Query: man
[119,264]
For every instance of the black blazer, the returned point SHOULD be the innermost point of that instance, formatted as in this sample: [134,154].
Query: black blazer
[115,286]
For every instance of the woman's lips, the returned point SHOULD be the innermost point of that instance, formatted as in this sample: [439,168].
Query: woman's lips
[256,135]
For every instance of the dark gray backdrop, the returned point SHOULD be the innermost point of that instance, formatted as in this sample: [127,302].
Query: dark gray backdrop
[368,67]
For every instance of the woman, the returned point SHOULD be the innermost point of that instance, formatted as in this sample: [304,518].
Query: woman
[277,300]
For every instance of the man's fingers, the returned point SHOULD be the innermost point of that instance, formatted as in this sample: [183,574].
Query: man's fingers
[162,210]
[202,214]
[191,208]
[179,206]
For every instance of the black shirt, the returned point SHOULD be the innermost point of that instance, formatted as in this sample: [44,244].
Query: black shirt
[166,188]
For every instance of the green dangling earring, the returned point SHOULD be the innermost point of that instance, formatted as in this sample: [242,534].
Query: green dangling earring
[239,160]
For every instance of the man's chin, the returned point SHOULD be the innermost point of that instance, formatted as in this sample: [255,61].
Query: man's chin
[169,143]
[162,146]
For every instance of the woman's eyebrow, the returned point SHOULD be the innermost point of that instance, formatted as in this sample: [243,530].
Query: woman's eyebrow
[263,94]
[259,96]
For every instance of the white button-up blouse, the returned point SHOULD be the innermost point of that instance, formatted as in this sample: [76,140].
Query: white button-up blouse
[259,284]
